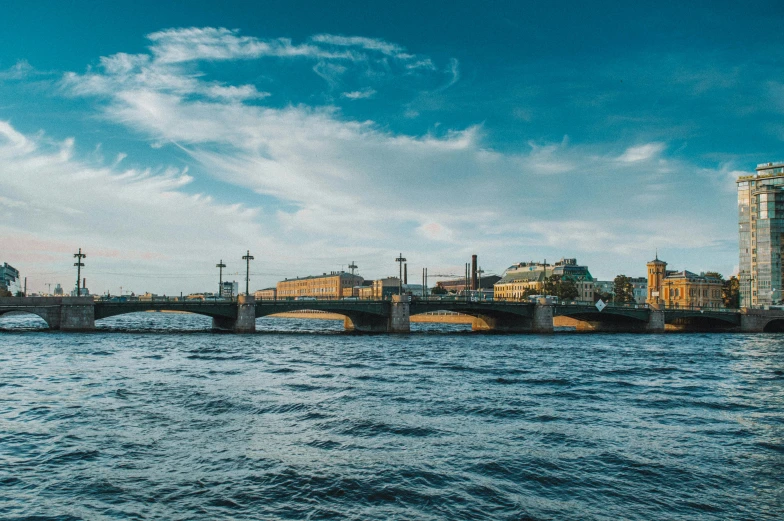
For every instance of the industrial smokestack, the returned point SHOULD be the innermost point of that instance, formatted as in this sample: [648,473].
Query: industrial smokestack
[474,285]
[405,273]
[84,285]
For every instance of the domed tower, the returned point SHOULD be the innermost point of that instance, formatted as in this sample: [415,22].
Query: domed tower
[657,270]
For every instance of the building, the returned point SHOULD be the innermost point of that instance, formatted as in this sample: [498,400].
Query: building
[639,288]
[337,284]
[515,286]
[761,224]
[381,289]
[530,277]
[267,294]
[229,289]
[681,289]
[9,279]
[58,290]
[459,285]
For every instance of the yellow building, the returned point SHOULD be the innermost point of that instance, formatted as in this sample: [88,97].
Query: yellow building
[334,285]
[266,294]
[681,289]
[512,286]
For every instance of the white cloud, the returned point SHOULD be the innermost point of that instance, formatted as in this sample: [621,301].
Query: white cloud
[359,94]
[19,71]
[52,198]
[336,183]
[641,152]
[371,44]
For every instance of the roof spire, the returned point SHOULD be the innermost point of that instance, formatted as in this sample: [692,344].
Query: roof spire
[657,253]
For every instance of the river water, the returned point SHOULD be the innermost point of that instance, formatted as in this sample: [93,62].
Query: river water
[155,417]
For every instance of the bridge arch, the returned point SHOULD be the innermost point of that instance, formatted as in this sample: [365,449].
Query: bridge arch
[594,320]
[500,318]
[774,326]
[697,321]
[353,319]
[44,315]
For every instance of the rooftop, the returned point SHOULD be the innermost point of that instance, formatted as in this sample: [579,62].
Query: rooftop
[330,274]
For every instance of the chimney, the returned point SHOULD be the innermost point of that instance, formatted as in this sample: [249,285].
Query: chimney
[405,273]
[474,285]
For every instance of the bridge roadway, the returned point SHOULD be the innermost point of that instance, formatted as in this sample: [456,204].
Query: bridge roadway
[392,316]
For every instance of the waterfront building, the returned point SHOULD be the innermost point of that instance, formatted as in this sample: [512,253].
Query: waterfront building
[515,285]
[58,290]
[384,288]
[9,278]
[460,285]
[229,289]
[760,229]
[639,289]
[266,294]
[336,284]
[681,289]
[530,276]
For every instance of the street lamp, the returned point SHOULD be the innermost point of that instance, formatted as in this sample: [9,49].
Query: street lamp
[220,265]
[247,258]
[400,260]
[79,265]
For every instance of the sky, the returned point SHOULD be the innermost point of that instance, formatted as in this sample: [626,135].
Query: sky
[164,137]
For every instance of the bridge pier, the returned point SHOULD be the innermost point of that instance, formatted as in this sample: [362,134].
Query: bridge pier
[398,320]
[245,322]
[754,320]
[655,322]
[76,314]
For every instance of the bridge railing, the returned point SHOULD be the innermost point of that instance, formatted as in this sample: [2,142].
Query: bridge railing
[673,307]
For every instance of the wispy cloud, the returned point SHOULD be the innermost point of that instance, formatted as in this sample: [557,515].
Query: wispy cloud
[336,182]
[639,153]
[359,94]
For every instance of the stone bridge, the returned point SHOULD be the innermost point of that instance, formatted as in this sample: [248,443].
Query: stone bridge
[80,314]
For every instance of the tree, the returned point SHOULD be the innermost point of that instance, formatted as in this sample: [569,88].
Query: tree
[438,290]
[623,290]
[730,292]
[730,289]
[603,295]
[527,292]
[564,289]
[4,291]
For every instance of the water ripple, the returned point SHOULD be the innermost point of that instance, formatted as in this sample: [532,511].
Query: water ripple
[155,416]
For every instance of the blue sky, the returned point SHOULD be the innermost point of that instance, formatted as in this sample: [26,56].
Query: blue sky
[162,137]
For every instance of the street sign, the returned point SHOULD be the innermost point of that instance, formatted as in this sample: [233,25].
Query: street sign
[600,305]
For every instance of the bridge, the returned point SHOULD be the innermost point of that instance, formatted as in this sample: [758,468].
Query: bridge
[393,316]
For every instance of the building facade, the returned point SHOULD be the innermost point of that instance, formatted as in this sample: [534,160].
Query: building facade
[334,285]
[760,229]
[640,289]
[526,277]
[681,289]
[266,294]
[460,285]
[229,289]
[9,279]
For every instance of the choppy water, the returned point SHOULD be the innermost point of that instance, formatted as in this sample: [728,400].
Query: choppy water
[288,424]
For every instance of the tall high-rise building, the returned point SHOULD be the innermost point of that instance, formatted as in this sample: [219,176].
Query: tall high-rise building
[760,229]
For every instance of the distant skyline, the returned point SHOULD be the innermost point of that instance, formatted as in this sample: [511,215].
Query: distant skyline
[161,137]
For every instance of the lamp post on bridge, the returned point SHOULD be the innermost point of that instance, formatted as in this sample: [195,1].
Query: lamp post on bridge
[79,265]
[247,258]
[400,260]
[220,267]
